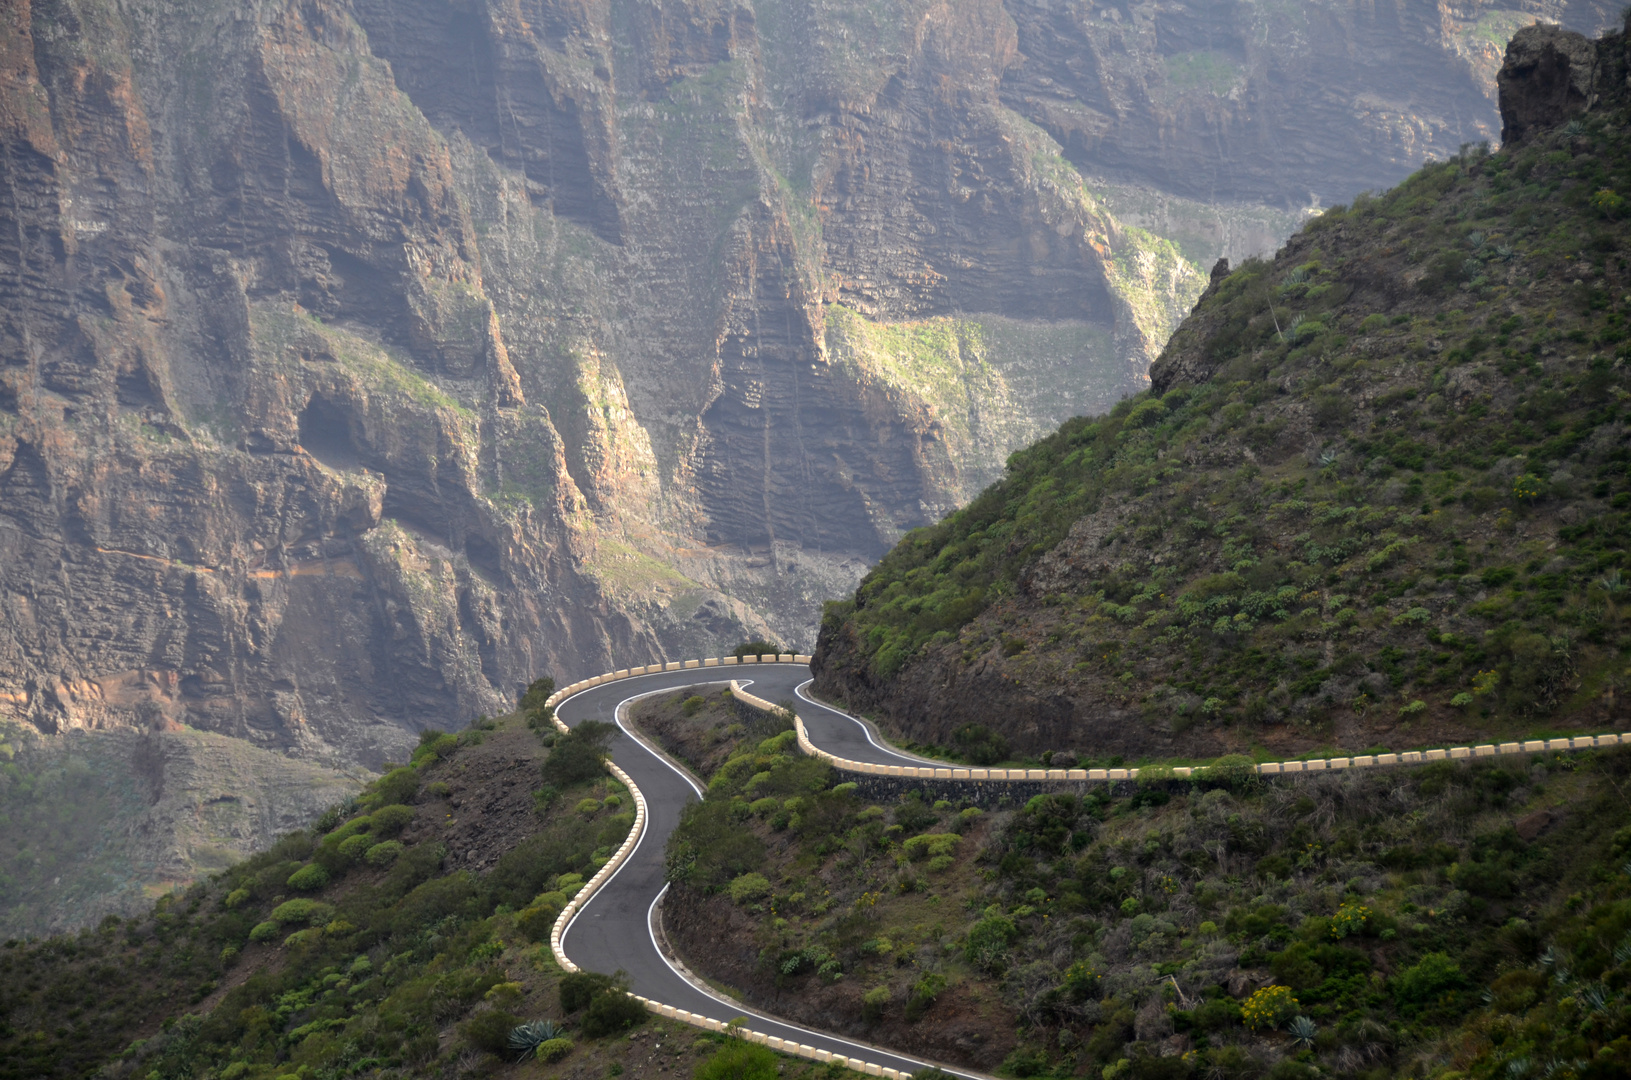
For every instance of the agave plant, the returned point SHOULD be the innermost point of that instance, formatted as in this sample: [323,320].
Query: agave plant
[1518,1068]
[1622,953]
[1612,583]
[1595,997]
[529,1036]
[1302,1031]
[1475,240]
[1296,276]
[1574,129]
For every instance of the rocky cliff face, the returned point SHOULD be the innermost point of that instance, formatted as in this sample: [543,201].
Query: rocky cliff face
[360,361]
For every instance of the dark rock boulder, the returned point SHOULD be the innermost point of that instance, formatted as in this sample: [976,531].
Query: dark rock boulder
[1549,77]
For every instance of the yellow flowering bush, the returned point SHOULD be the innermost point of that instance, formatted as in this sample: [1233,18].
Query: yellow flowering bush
[1349,919]
[1269,1007]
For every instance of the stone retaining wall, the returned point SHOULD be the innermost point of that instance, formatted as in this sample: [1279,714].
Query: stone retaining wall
[1185,772]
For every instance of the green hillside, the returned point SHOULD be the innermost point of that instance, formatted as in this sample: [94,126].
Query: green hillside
[1462,920]
[1378,494]
[405,929]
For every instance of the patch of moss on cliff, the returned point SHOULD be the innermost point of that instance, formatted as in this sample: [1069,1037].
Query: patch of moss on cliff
[280,332]
[1148,273]
[987,382]
[625,572]
[1205,70]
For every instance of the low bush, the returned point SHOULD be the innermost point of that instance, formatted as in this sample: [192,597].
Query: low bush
[490,1029]
[738,1060]
[389,820]
[384,854]
[308,878]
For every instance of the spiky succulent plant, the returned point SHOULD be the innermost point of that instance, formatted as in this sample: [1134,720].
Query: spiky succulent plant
[526,1038]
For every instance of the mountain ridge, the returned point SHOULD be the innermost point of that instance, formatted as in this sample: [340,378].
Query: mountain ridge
[1371,498]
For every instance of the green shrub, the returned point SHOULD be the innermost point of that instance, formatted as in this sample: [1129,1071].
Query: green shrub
[988,941]
[235,898]
[300,939]
[355,847]
[390,820]
[931,845]
[490,1029]
[738,1060]
[384,854]
[579,988]
[308,878]
[692,705]
[265,931]
[924,993]
[709,849]
[396,786]
[578,757]
[749,887]
[434,746]
[757,647]
[536,694]
[1147,414]
[435,899]
[1434,980]
[612,1012]
[553,1050]
[536,922]
[301,911]
[980,745]
[588,807]
[1235,772]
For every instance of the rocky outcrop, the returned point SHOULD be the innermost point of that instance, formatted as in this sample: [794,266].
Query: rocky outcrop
[1552,75]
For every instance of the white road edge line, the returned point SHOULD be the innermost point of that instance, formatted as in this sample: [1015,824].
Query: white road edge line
[799,690]
[640,738]
[645,830]
[737,1006]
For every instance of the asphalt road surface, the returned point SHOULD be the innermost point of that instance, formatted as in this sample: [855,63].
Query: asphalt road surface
[614,931]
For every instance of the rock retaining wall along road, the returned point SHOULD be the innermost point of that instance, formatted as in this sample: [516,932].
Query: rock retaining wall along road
[974,785]
[1185,772]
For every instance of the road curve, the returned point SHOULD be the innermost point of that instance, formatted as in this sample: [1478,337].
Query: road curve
[614,929]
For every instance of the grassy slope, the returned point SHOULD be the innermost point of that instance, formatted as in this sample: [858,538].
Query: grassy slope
[1461,920]
[379,981]
[1379,495]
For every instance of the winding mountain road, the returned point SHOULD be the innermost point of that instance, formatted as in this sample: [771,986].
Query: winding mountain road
[616,929]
